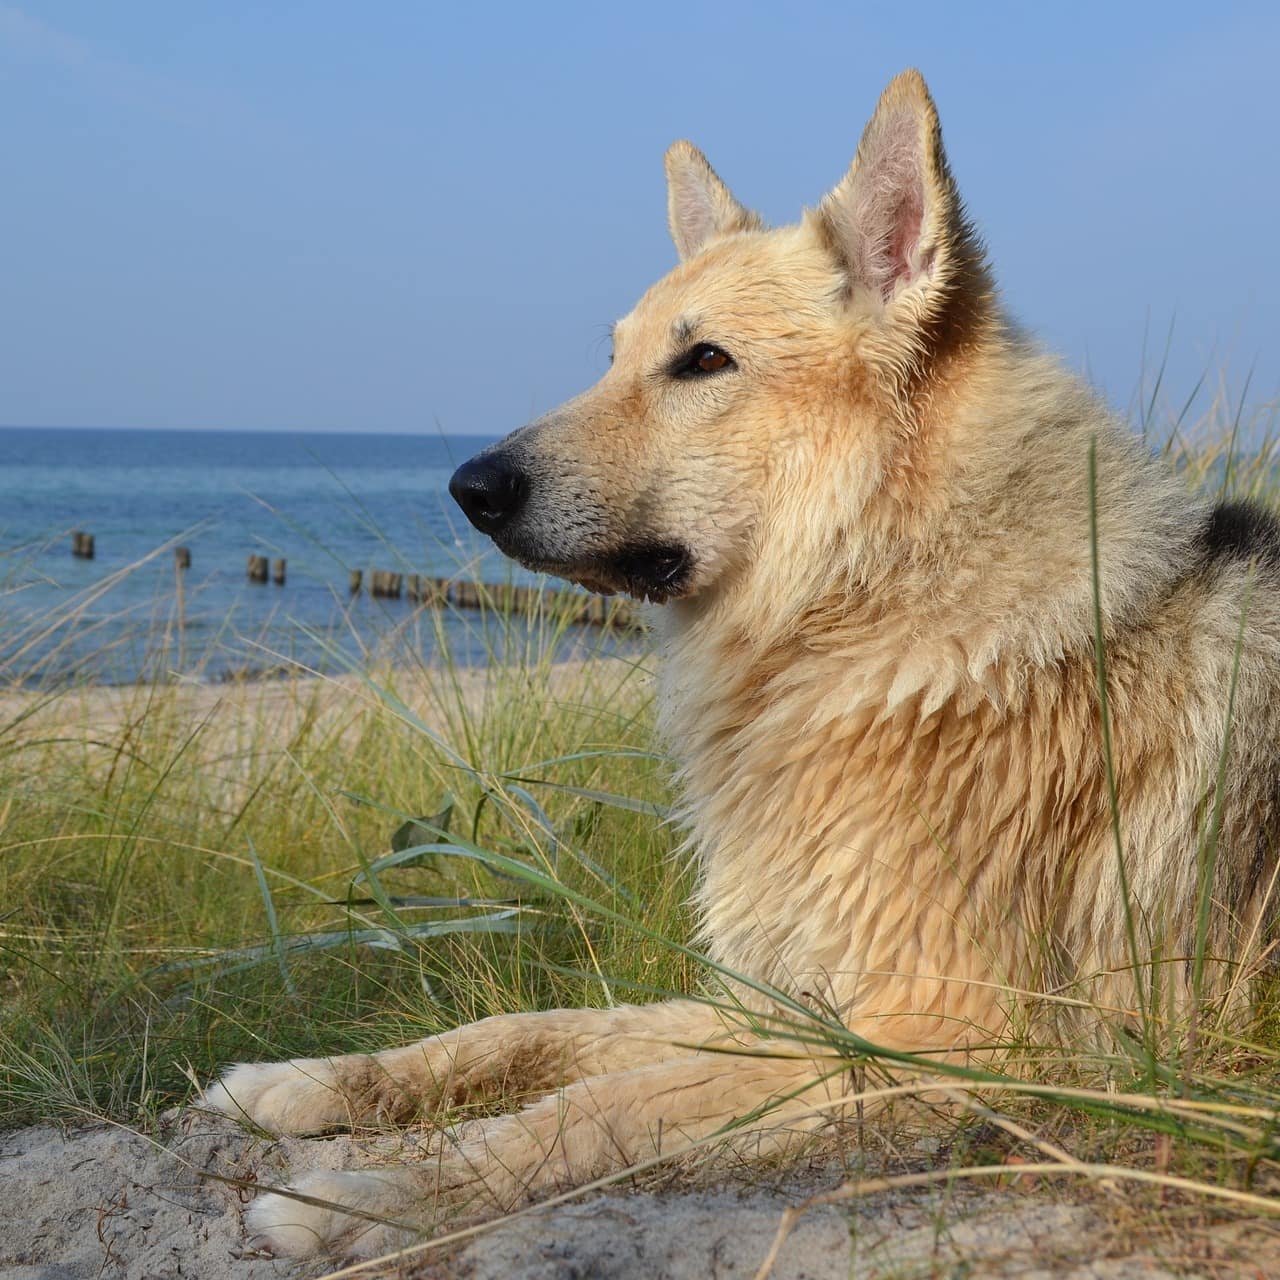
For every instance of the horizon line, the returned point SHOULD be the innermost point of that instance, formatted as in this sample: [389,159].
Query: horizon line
[253,431]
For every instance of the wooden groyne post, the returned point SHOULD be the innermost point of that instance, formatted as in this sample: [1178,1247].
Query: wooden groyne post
[463,594]
[257,569]
[82,545]
[501,597]
[387,586]
[432,591]
[182,557]
[277,572]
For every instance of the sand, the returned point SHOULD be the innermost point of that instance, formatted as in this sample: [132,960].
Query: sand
[279,704]
[105,1203]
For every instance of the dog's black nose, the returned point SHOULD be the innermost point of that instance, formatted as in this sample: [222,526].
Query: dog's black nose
[490,490]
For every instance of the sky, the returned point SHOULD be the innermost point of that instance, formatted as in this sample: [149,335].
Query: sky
[423,217]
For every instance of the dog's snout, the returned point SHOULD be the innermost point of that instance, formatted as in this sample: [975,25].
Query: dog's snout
[490,490]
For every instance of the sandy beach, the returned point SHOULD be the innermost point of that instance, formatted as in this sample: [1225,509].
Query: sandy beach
[106,1202]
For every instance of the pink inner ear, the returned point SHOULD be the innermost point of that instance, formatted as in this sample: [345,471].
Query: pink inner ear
[904,235]
[883,210]
[891,216]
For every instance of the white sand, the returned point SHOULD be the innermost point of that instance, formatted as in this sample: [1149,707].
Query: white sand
[103,1203]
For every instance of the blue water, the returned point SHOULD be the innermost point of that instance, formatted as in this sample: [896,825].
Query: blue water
[326,503]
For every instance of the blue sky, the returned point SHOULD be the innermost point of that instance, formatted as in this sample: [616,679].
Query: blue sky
[412,217]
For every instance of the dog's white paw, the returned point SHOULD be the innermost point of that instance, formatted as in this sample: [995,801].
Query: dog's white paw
[289,1227]
[301,1096]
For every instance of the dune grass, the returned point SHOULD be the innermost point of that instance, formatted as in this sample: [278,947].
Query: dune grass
[193,875]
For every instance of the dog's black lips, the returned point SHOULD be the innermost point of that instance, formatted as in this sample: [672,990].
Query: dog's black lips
[654,571]
[648,571]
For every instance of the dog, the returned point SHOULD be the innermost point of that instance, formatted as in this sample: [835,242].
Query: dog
[895,555]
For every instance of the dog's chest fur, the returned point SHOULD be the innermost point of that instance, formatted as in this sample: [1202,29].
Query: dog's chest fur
[905,856]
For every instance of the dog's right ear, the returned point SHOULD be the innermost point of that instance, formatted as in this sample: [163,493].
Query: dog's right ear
[699,205]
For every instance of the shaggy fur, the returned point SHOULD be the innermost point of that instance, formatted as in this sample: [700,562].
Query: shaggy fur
[870,533]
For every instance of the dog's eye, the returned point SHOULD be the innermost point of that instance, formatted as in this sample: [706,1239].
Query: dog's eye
[712,360]
[701,360]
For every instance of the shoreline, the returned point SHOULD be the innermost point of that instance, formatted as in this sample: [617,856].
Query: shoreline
[582,639]
[273,705]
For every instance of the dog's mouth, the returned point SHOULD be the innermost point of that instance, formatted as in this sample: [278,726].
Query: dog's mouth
[656,572]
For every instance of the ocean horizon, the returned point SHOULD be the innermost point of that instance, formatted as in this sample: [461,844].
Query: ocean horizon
[325,502]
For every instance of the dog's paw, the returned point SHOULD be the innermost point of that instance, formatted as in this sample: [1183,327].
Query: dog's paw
[306,1095]
[356,1214]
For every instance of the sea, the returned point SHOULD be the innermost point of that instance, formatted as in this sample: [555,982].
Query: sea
[324,503]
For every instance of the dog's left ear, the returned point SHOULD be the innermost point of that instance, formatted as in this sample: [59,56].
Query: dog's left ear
[699,205]
[895,221]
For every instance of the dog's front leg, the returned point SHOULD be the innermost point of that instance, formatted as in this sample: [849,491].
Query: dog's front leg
[597,1126]
[507,1056]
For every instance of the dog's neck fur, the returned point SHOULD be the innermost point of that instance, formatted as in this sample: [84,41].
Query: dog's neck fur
[906,647]
[929,599]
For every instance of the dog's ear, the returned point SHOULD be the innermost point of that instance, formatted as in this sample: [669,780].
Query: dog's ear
[699,205]
[895,221]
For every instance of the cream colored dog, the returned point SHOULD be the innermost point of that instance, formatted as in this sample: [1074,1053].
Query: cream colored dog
[862,501]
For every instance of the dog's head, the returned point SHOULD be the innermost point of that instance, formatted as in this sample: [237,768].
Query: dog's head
[770,367]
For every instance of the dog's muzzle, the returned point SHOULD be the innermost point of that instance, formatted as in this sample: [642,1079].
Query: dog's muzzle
[496,494]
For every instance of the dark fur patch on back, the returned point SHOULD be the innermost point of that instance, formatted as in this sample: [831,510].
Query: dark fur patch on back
[1241,531]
